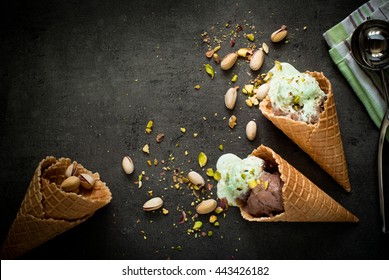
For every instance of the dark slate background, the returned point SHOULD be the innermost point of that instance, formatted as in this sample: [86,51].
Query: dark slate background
[80,79]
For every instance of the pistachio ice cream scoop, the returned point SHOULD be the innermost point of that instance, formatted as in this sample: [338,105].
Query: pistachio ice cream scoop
[294,94]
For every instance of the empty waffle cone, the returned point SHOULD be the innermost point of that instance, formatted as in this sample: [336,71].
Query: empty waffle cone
[47,211]
[303,200]
[321,141]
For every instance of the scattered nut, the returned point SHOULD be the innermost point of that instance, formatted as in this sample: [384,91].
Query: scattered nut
[153,204]
[86,181]
[128,165]
[251,130]
[265,48]
[257,60]
[230,97]
[232,121]
[71,184]
[262,91]
[228,61]
[146,149]
[242,52]
[279,35]
[212,219]
[71,170]
[160,137]
[251,37]
[249,102]
[206,206]
[216,58]
[196,178]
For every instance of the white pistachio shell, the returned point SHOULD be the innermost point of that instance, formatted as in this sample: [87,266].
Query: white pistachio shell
[153,204]
[262,91]
[230,98]
[228,61]
[251,130]
[71,184]
[196,178]
[86,181]
[206,206]
[128,165]
[71,170]
[257,60]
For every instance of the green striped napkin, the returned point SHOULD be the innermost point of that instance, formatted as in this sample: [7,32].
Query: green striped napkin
[366,84]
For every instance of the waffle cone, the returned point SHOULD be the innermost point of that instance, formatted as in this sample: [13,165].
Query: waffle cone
[47,211]
[303,200]
[321,141]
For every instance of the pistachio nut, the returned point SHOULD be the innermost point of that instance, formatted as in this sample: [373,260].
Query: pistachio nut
[153,204]
[232,121]
[230,97]
[196,178]
[242,52]
[128,165]
[216,58]
[71,184]
[262,91]
[71,170]
[257,60]
[279,35]
[206,206]
[228,61]
[86,181]
[265,48]
[251,130]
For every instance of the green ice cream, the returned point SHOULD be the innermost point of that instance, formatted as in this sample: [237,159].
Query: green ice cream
[236,176]
[294,94]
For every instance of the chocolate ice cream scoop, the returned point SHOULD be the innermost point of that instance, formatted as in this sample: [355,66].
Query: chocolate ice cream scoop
[266,198]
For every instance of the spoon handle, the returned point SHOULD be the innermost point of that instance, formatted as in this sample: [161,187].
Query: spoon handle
[384,127]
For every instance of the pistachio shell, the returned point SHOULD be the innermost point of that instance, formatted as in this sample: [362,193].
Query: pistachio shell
[257,60]
[262,91]
[196,178]
[279,35]
[206,206]
[71,170]
[251,130]
[86,181]
[153,204]
[230,98]
[128,165]
[71,184]
[228,61]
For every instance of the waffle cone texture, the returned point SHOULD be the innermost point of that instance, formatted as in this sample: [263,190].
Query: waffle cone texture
[303,200]
[47,211]
[321,141]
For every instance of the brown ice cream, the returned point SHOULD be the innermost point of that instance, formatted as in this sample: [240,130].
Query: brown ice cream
[266,198]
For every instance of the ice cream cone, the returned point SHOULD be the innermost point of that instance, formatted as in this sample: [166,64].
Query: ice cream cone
[303,200]
[321,141]
[47,211]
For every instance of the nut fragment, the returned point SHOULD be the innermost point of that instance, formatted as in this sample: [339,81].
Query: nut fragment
[228,61]
[86,181]
[71,170]
[206,206]
[160,137]
[262,91]
[153,204]
[71,184]
[265,48]
[242,52]
[128,165]
[279,35]
[232,121]
[196,178]
[216,58]
[251,130]
[257,60]
[230,97]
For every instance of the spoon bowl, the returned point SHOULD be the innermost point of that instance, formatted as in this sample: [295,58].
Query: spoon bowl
[370,44]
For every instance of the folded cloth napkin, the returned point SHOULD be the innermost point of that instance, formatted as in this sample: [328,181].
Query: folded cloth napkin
[365,83]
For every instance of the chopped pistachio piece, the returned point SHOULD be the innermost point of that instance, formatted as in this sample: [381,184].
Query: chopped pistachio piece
[210,172]
[197,225]
[251,37]
[197,87]
[149,126]
[234,78]
[209,70]
[210,232]
[252,184]
[218,210]
[221,147]
[217,176]
[165,211]
[202,158]
[216,224]
[212,219]
[146,149]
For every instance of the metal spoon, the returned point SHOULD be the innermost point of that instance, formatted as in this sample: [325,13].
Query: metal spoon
[370,48]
